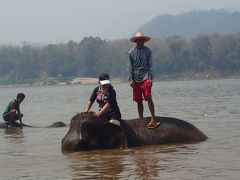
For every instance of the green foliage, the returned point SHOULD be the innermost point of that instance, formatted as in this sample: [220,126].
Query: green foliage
[92,56]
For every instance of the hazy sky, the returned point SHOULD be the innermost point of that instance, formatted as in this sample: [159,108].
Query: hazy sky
[55,21]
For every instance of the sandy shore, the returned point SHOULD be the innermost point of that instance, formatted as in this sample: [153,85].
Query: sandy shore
[84,80]
[54,81]
[89,80]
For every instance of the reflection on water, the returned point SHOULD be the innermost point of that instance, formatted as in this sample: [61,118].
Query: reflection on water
[106,164]
[136,163]
[212,106]
[13,133]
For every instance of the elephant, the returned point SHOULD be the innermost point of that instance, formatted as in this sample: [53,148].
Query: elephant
[57,124]
[87,132]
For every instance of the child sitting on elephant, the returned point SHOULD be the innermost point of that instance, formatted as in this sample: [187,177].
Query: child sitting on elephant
[105,96]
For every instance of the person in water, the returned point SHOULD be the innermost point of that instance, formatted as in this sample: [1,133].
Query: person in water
[12,112]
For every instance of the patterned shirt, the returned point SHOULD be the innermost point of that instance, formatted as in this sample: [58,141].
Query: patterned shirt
[103,97]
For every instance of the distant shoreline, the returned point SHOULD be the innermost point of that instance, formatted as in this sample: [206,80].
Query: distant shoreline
[208,75]
[55,82]
[88,80]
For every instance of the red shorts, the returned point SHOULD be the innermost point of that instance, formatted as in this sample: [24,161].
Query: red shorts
[142,90]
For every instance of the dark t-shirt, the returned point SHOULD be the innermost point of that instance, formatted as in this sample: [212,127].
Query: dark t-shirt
[103,97]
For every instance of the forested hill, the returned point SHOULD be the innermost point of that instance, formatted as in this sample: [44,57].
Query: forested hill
[191,47]
[193,23]
[88,58]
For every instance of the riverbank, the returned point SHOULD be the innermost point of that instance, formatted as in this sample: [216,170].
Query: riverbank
[89,80]
[72,81]
[60,82]
[208,75]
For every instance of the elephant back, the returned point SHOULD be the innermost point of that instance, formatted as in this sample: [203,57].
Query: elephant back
[171,130]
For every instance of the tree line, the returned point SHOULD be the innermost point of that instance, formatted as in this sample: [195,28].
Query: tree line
[93,55]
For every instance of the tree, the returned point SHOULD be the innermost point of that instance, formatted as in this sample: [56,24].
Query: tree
[88,50]
[201,52]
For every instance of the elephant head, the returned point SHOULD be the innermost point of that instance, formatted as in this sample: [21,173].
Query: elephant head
[88,132]
[72,137]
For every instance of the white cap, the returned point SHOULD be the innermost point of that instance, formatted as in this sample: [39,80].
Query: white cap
[105,82]
[104,79]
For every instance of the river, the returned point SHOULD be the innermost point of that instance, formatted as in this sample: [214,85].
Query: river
[211,105]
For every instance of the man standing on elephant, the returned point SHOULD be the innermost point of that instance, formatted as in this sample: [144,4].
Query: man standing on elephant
[141,76]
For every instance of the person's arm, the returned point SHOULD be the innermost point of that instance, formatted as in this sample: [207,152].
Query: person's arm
[16,107]
[150,64]
[150,72]
[130,67]
[19,114]
[12,105]
[20,119]
[105,109]
[91,100]
[131,72]
[112,97]
[88,106]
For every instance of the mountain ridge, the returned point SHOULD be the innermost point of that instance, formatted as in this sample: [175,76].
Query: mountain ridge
[193,23]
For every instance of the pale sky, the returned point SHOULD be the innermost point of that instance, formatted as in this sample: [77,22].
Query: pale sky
[58,21]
